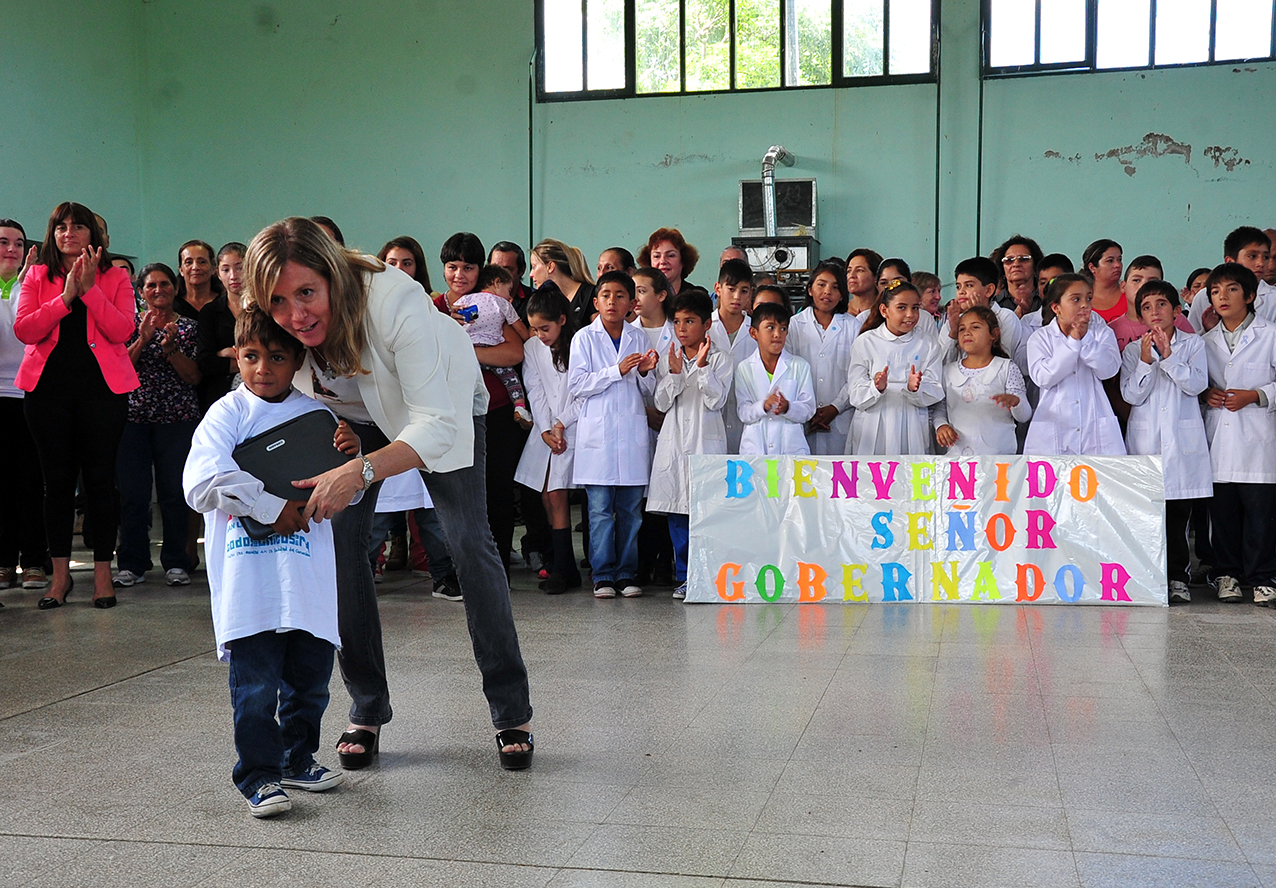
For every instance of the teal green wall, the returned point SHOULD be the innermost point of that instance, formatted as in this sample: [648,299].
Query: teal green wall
[211,119]
[71,80]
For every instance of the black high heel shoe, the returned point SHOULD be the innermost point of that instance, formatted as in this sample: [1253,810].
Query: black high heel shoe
[354,761]
[515,761]
[48,602]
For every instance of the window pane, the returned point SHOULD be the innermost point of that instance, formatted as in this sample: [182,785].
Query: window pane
[708,46]
[659,66]
[1182,32]
[1063,31]
[809,31]
[757,44]
[1243,29]
[910,37]
[563,68]
[606,44]
[862,38]
[1124,33]
[1013,32]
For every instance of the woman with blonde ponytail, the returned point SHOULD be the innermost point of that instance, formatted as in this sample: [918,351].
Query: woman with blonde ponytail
[555,262]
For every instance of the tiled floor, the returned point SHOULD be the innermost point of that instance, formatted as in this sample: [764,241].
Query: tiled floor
[679,746]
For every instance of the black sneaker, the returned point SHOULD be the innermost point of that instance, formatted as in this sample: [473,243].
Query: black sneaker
[554,585]
[448,589]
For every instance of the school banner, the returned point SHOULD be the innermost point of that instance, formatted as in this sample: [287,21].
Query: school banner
[986,530]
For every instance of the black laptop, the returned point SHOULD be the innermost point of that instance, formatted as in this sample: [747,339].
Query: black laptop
[292,451]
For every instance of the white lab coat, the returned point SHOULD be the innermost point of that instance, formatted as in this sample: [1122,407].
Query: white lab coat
[612,448]
[828,351]
[692,403]
[1073,414]
[1243,444]
[768,433]
[894,421]
[739,348]
[661,343]
[1165,413]
[551,402]
[983,426]
[1264,305]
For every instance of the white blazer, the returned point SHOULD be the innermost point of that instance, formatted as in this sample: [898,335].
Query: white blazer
[612,447]
[1243,444]
[423,386]
[551,401]
[1073,414]
[1165,415]
[828,351]
[739,349]
[692,403]
[894,421]
[765,432]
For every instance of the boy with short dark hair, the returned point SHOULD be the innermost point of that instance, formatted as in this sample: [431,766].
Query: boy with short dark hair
[1241,427]
[776,395]
[1141,270]
[694,377]
[609,368]
[734,290]
[977,285]
[274,601]
[1249,247]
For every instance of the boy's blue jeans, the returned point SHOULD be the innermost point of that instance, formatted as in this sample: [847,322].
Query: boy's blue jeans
[284,672]
[679,535]
[615,514]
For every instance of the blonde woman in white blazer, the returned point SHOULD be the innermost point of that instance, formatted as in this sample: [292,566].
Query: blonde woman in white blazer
[1240,422]
[1162,376]
[383,359]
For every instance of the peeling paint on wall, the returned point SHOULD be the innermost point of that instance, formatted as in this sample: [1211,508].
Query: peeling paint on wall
[1055,155]
[671,160]
[1227,157]
[1153,145]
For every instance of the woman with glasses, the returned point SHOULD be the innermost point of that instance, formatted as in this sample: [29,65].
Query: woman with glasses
[1018,260]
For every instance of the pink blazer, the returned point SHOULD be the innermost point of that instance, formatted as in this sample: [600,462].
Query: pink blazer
[112,319]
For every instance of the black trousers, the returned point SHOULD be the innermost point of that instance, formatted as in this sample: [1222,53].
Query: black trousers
[504,448]
[1178,560]
[22,541]
[1244,532]
[77,431]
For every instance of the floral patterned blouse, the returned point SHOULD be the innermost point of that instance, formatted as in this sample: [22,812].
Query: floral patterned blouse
[163,397]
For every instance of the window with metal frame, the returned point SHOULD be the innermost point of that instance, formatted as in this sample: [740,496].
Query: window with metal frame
[1047,36]
[589,49]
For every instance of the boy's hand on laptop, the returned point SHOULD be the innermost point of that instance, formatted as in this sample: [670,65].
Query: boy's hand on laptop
[290,520]
[346,440]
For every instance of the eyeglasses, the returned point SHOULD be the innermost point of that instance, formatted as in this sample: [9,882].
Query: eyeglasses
[1015,260]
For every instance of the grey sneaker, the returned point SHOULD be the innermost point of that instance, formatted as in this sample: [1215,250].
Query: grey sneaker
[175,576]
[1264,596]
[1178,591]
[269,800]
[1229,590]
[127,578]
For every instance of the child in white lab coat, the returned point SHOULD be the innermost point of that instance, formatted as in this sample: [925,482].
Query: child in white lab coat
[694,378]
[1162,374]
[1068,359]
[984,392]
[610,367]
[730,330]
[274,600]
[547,461]
[1241,426]
[895,374]
[822,333]
[774,392]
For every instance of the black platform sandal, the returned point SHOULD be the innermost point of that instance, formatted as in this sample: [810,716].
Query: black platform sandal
[515,761]
[354,761]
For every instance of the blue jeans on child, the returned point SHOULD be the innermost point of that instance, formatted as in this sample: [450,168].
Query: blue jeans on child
[284,672]
[680,534]
[615,514]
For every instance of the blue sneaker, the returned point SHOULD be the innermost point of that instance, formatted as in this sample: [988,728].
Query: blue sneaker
[681,592]
[316,778]
[269,800]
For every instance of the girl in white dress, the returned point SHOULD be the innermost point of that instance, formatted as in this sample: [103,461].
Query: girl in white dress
[984,392]
[822,333]
[895,374]
[546,464]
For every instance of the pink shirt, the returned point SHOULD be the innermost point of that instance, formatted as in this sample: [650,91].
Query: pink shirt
[1127,329]
[111,307]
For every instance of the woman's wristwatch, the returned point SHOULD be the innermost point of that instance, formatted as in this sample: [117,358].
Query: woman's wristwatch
[369,474]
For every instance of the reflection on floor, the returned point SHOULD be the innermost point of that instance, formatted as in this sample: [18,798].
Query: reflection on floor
[677,745]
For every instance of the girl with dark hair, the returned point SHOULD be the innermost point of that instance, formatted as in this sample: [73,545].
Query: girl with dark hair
[822,334]
[892,270]
[405,253]
[216,325]
[546,463]
[75,313]
[615,259]
[984,392]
